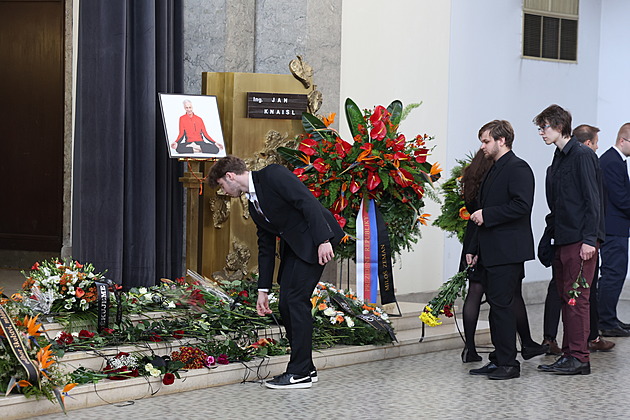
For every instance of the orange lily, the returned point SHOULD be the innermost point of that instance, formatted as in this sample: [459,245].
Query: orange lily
[339,318]
[313,301]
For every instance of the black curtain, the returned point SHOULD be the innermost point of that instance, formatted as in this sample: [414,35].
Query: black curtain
[127,200]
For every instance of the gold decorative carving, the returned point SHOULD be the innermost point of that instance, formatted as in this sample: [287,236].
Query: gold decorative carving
[304,73]
[235,264]
[220,206]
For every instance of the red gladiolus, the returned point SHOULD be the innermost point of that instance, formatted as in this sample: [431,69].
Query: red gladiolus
[307,146]
[85,334]
[572,302]
[35,266]
[378,131]
[321,166]
[168,379]
[340,219]
[373,180]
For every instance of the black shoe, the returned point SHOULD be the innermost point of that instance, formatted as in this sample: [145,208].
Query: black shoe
[313,375]
[485,370]
[505,372]
[533,351]
[552,366]
[616,332]
[289,381]
[623,325]
[468,356]
[567,365]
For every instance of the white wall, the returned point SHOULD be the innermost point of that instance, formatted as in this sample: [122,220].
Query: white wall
[614,60]
[399,50]
[489,80]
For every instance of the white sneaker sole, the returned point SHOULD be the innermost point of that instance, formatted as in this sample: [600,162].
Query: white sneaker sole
[299,385]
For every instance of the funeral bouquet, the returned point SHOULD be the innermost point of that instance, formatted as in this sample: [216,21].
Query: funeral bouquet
[380,164]
[60,286]
[444,301]
[454,217]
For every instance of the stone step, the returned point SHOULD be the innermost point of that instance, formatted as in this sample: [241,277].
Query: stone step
[443,337]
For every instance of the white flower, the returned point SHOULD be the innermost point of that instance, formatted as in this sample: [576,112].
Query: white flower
[333,319]
[384,316]
[75,334]
[349,322]
[329,311]
[365,312]
[171,305]
[68,306]
[142,290]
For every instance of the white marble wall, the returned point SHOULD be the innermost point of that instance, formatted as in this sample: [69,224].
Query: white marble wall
[262,36]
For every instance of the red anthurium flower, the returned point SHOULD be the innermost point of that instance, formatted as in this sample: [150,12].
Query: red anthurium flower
[373,180]
[401,156]
[315,191]
[342,147]
[168,379]
[380,113]
[399,143]
[402,177]
[299,172]
[378,131]
[421,155]
[307,146]
[354,186]
[419,140]
[321,166]
[418,189]
[340,219]
[340,203]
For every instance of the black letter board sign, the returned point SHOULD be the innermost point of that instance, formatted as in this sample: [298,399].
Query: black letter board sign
[286,106]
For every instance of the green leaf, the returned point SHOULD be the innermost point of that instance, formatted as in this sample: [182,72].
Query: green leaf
[354,117]
[396,109]
[313,126]
[292,156]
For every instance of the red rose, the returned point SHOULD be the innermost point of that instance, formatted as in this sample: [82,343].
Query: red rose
[85,335]
[222,359]
[243,293]
[178,334]
[156,338]
[65,338]
[168,379]
[107,331]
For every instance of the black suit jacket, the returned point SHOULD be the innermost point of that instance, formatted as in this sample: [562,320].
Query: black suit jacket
[616,192]
[294,215]
[506,197]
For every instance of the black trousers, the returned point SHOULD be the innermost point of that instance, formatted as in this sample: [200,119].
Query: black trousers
[297,280]
[500,283]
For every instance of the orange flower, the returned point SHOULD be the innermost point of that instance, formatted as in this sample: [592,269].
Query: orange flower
[313,301]
[44,358]
[435,169]
[32,326]
[330,119]
[463,213]
[423,218]
[339,318]
[322,306]
[24,383]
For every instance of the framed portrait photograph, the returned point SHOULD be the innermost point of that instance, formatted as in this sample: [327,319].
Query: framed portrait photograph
[192,126]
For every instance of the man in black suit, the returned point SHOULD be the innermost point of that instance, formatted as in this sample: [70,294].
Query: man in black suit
[502,242]
[614,250]
[282,206]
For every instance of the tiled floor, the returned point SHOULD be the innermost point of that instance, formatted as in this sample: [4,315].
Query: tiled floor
[427,386]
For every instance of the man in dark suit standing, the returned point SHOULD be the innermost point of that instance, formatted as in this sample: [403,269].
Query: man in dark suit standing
[502,241]
[614,251]
[282,206]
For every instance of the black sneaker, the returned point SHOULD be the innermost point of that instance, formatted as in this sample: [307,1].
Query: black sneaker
[289,381]
[313,375]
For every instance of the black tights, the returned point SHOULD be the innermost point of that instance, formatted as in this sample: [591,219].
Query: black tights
[471,309]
